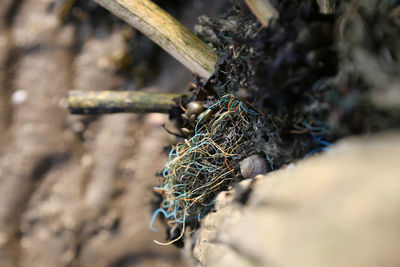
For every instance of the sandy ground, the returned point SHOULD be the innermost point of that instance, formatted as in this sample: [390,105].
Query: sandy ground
[74,190]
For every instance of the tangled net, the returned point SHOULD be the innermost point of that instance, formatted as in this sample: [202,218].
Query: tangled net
[206,164]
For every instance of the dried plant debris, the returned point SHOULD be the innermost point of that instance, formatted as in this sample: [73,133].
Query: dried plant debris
[281,93]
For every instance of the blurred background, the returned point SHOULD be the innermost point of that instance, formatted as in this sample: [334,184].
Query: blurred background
[77,190]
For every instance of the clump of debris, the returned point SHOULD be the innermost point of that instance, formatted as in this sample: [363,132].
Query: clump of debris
[279,94]
[320,71]
[206,162]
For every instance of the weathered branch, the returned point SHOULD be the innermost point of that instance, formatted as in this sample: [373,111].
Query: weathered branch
[91,102]
[263,10]
[167,32]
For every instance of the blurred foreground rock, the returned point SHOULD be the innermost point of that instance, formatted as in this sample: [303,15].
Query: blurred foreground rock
[341,208]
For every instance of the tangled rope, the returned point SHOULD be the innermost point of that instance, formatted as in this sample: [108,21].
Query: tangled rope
[206,163]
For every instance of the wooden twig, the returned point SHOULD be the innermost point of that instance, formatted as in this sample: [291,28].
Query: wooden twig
[263,10]
[92,102]
[167,32]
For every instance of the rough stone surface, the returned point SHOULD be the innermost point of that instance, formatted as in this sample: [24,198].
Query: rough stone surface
[340,208]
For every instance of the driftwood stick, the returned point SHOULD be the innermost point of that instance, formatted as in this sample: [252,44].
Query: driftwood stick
[263,10]
[91,102]
[167,32]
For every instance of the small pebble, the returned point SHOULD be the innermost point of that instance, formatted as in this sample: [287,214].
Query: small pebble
[252,166]
[205,115]
[194,107]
